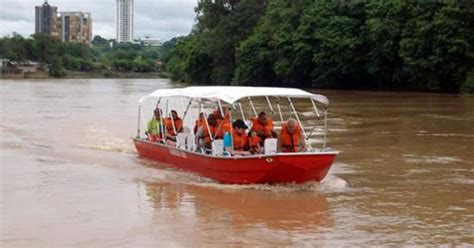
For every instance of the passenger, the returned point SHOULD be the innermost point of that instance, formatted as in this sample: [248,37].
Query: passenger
[223,124]
[254,143]
[203,137]
[239,138]
[291,139]
[263,126]
[199,122]
[218,114]
[154,126]
[172,124]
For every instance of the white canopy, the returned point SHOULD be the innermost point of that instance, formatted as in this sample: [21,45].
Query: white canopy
[231,94]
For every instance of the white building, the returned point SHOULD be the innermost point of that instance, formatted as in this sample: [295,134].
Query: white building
[124,20]
[149,41]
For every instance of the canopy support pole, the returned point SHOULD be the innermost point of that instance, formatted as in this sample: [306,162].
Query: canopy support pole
[289,108]
[315,109]
[301,124]
[270,104]
[208,128]
[253,107]
[187,109]
[279,111]
[200,107]
[325,125]
[172,123]
[158,103]
[138,124]
[162,128]
[218,129]
[231,132]
[220,108]
[241,110]
[143,118]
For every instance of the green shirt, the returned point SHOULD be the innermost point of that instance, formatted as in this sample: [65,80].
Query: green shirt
[153,126]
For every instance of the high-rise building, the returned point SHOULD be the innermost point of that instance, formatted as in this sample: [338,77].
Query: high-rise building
[124,20]
[75,27]
[45,18]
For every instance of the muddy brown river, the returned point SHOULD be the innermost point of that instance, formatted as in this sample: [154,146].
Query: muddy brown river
[70,176]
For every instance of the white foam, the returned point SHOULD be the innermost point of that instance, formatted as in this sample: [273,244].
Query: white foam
[423,159]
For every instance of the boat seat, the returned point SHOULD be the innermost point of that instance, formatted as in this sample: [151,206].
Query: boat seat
[270,146]
[181,140]
[218,147]
[190,142]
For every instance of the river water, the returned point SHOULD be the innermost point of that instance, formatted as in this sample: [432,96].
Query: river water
[70,176]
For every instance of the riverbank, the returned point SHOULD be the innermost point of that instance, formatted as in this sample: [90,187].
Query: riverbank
[91,74]
[115,74]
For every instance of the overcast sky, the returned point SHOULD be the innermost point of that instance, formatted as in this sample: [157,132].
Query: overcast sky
[161,19]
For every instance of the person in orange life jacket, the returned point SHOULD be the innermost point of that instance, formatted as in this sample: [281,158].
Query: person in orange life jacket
[263,126]
[154,126]
[199,122]
[172,124]
[254,143]
[240,138]
[291,139]
[223,123]
[219,116]
[203,137]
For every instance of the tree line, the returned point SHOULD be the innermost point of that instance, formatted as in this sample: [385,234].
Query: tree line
[395,45]
[103,55]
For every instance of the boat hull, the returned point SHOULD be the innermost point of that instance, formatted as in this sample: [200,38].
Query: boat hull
[278,168]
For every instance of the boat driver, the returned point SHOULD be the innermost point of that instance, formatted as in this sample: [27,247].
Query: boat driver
[173,125]
[154,126]
[291,139]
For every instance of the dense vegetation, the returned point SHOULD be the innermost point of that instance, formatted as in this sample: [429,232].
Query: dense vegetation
[60,57]
[416,45]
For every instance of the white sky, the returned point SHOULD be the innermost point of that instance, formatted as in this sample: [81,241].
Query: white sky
[161,19]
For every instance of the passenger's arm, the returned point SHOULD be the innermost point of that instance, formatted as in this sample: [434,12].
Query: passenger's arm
[199,134]
[303,144]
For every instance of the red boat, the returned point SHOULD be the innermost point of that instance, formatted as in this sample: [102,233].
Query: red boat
[272,166]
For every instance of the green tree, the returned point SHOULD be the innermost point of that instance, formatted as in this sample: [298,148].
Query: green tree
[191,61]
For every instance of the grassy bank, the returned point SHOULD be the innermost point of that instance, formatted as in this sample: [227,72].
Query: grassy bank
[90,74]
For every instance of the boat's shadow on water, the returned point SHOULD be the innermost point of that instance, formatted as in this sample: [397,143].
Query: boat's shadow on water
[277,206]
[243,207]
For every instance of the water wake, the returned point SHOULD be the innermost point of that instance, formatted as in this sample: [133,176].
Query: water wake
[330,184]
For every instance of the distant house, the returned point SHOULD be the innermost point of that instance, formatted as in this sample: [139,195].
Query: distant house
[147,41]
[3,63]
[151,41]
[12,69]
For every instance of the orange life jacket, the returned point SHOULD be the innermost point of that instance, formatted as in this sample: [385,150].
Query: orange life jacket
[206,136]
[290,141]
[178,124]
[254,142]
[258,127]
[222,127]
[218,115]
[240,142]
